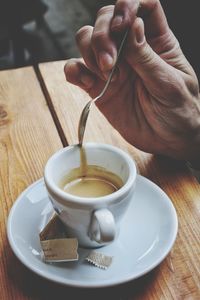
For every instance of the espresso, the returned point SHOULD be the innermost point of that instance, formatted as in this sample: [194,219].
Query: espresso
[89,180]
[95,182]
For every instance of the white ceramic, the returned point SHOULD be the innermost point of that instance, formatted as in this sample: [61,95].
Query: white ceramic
[94,221]
[147,234]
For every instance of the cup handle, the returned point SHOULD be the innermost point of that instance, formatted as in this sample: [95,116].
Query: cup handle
[102,228]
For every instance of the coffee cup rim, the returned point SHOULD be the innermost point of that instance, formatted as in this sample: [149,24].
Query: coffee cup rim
[69,198]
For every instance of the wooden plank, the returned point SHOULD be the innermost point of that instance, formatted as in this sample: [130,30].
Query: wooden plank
[28,137]
[178,276]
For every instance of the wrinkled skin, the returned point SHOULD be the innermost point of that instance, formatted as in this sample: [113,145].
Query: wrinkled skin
[154,99]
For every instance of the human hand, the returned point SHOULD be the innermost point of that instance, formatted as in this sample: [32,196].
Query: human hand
[154,100]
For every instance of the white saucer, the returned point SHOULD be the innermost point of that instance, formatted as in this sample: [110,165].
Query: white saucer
[147,234]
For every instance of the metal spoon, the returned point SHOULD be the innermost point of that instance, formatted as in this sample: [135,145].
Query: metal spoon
[86,109]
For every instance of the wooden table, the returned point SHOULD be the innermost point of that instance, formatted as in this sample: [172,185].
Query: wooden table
[39,114]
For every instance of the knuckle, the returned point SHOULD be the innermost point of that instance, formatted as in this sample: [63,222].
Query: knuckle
[82,33]
[69,66]
[146,56]
[177,89]
[70,61]
[105,10]
[192,86]
[127,6]
[98,37]
[122,4]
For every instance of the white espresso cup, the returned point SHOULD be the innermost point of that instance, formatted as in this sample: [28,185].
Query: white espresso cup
[93,221]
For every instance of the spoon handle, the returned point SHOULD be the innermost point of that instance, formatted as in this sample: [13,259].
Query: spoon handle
[86,109]
[113,69]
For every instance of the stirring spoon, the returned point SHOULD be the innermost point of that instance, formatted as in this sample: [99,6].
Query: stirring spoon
[86,109]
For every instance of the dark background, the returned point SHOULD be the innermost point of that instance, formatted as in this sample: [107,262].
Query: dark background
[184,19]
[33,31]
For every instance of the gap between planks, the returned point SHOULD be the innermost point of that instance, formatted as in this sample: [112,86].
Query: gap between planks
[51,106]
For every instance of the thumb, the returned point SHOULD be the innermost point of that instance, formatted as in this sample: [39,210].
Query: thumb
[149,66]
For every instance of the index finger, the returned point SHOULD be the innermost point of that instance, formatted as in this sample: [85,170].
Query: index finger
[150,11]
[102,43]
[124,14]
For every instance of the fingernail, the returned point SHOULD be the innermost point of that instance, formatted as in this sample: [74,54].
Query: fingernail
[139,34]
[105,61]
[87,80]
[117,21]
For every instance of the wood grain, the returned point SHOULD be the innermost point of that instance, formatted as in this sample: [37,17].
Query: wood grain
[27,139]
[178,277]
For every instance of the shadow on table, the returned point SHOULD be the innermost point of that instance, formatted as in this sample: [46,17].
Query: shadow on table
[31,285]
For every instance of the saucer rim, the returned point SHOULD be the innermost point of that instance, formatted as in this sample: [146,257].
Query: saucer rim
[78,283]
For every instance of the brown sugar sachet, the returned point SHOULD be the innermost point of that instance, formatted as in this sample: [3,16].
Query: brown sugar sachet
[55,244]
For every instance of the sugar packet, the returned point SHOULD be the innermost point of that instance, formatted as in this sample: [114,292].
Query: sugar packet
[56,247]
[99,260]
